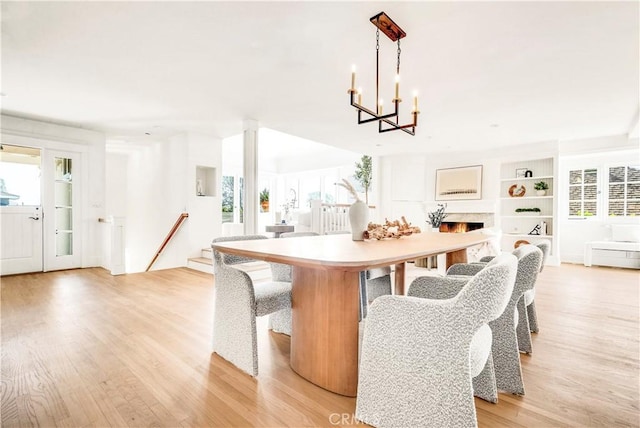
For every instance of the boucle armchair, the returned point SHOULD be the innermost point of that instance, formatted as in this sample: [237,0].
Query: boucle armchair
[280,271]
[529,297]
[378,282]
[528,318]
[237,303]
[419,356]
[373,282]
[506,356]
[508,336]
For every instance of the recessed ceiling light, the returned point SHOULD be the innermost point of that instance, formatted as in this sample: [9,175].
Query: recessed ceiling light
[378,145]
[494,125]
[2,94]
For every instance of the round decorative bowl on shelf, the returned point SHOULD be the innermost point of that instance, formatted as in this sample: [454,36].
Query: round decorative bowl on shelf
[517,190]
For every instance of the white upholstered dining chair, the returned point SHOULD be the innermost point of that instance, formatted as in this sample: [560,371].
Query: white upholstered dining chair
[506,343]
[237,303]
[419,355]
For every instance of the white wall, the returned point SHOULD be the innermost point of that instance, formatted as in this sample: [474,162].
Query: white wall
[159,184]
[402,188]
[205,215]
[116,165]
[408,182]
[153,204]
[91,146]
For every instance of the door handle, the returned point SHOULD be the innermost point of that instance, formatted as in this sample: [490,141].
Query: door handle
[34,218]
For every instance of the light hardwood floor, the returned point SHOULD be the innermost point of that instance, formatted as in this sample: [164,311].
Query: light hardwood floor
[84,348]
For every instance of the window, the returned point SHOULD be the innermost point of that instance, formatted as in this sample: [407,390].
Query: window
[583,192]
[19,175]
[232,191]
[624,191]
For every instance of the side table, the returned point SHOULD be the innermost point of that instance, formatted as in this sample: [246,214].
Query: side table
[279,229]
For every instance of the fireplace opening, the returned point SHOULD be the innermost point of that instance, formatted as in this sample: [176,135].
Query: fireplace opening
[459,227]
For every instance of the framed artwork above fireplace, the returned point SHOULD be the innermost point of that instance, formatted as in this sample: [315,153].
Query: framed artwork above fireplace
[455,184]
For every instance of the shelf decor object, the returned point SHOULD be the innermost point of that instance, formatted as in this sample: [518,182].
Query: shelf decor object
[534,210]
[517,191]
[541,188]
[385,121]
[536,230]
[459,183]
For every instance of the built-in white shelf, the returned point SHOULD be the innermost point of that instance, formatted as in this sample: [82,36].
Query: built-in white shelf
[527,216]
[516,226]
[526,235]
[546,177]
[510,198]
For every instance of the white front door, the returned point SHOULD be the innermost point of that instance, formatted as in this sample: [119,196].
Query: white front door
[21,237]
[20,210]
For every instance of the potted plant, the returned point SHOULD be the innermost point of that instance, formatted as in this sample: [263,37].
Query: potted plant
[264,200]
[436,217]
[364,175]
[541,188]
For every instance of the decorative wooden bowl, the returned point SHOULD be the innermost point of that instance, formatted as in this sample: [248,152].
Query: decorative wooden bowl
[517,191]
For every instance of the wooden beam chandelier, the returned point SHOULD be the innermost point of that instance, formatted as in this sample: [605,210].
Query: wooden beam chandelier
[386,122]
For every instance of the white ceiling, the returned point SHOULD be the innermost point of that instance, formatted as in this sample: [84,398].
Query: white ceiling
[538,70]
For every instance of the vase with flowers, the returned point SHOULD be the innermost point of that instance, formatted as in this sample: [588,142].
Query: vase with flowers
[436,217]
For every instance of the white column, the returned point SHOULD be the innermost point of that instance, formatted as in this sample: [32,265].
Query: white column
[250,173]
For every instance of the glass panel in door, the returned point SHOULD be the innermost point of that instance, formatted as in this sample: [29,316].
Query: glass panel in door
[63,203]
[19,176]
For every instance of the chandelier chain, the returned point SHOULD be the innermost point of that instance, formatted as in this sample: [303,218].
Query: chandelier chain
[399,50]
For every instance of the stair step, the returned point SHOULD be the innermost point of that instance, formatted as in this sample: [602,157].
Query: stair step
[207,253]
[200,264]
[257,270]
[253,266]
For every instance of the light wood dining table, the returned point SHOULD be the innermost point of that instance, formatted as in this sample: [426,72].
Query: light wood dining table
[325,292]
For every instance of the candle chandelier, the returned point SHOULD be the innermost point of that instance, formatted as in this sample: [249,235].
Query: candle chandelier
[386,122]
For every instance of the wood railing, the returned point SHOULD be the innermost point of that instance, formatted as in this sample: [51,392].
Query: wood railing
[328,218]
[166,241]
